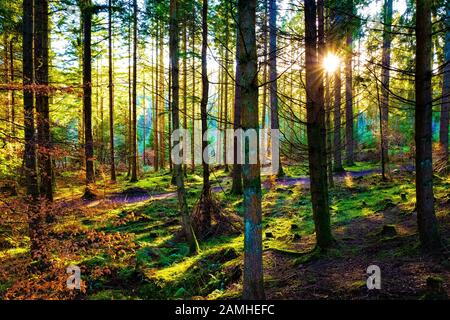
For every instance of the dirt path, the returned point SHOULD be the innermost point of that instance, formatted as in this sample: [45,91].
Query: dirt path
[135,195]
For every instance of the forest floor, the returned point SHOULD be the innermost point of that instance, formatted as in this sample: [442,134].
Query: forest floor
[127,242]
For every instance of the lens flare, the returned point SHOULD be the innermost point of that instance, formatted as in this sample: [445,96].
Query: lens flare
[331,63]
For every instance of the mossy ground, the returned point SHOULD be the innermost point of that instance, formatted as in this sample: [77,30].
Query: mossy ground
[134,250]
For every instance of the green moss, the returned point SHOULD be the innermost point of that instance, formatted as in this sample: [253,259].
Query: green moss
[198,275]
[362,166]
[111,295]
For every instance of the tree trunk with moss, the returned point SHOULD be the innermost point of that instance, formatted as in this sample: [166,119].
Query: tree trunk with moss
[426,218]
[253,267]
[174,39]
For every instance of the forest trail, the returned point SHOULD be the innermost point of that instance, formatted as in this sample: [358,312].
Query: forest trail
[135,195]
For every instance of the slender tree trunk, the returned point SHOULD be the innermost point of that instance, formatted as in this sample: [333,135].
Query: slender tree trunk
[81,110]
[316,123]
[185,146]
[202,220]
[291,100]
[328,129]
[253,267]
[236,187]
[220,151]
[337,122]
[426,218]
[161,121]
[156,104]
[274,119]
[144,127]
[129,147]
[13,98]
[193,92]
[385,78]
[445,106]
[102,131]
[111,93]
[169,98]
[265,49]
[349,157]
[6,76]
[177,167]
[42,103]
[28,103]
[225,92]
[96,127]
[265,39]
[34,219]
[329,142]
[134,134]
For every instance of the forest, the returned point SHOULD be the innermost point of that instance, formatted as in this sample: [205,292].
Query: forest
[224,149]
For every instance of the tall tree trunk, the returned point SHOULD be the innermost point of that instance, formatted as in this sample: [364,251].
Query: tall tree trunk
[265,39]
[28,103]
[34,220]
[236,187]
[328,130]
[264,77]
[426,218]
[185,146]
[385,78]
[219,116]
[193,91]
[13,98]
[134,134]
[102,131]
[337,122]
[81,110]
[161,121]
[274,119]
[144,126]
[111,93]
[42,103]
[225,92]
[156,104]
[329,142]
[162,126]
[253,267]
[174,39]
[349,157]
[202,217]
[445,106]
[169,99]
[129,147]
[6,75]
[316,123]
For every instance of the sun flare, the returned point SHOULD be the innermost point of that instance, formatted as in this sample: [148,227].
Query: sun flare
[331,63]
